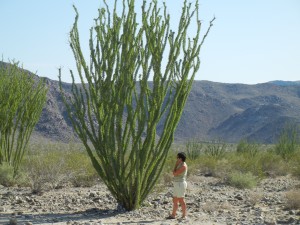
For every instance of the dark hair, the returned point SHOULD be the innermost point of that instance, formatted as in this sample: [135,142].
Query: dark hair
[182,156]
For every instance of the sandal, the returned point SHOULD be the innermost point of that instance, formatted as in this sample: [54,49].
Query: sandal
[170,217]
[183,218]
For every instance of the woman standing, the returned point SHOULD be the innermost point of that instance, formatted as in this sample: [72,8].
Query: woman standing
[179,181]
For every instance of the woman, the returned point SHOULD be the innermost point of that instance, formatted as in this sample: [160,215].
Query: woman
[179,181]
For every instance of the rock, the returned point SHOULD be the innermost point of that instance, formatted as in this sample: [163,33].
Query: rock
[238,197]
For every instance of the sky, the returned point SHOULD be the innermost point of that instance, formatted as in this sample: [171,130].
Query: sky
[251,41]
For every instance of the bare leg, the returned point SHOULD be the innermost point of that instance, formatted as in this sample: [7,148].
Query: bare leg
[183,206]
[175,206]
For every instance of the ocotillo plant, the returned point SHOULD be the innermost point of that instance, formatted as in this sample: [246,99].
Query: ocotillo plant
[116,111]
[22,100]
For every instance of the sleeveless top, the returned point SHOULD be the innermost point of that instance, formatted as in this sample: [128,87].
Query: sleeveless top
[182,176]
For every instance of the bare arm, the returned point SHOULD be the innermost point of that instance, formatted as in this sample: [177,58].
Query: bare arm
[179,170]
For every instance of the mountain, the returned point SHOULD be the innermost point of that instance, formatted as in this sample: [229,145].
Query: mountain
[229,112]
[285,83]
[232,112]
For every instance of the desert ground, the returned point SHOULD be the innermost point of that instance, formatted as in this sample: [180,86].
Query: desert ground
[209,200]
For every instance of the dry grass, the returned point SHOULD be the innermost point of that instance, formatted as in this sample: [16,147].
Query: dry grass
[211,207]
[253,198]
[293,199]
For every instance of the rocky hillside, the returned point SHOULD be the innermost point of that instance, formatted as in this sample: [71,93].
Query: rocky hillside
[237,111]
[230,112]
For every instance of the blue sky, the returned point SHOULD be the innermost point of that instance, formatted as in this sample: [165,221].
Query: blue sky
[252,41]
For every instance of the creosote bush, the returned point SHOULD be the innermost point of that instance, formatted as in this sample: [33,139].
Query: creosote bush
[58,165]
[273,165]
[7,175]
[45,171]
[8,178]
[242,180]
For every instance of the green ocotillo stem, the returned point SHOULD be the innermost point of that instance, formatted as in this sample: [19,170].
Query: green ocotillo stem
[138,78]
[22,100]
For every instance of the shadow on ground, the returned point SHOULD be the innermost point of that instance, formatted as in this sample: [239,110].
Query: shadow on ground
[52,218]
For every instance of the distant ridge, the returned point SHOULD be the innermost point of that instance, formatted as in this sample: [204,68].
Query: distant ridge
[229,112]
[285,83]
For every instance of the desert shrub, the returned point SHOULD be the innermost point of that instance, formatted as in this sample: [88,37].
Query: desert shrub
[9,178]
[58,164]
[244,164]
[250,149]
[81,174]
[205,164]
[273,164]
[293,199]
[7,175]
[45,170]
[216,206]
[295,165]
[193,149]
[242,180]
[216,149]
[254,198]
[222,168]
[288,142]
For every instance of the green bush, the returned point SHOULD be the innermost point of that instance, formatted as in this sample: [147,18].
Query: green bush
[45,170]
[193,149]
[9,178]
[216,149]
[242,180]
[205,164]
[58,165]
[81,170]
[250,149]
[7,175]
[288,142]
[295,165]
[242,163]
[273,165]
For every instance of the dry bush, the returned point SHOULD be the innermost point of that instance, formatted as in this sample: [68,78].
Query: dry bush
[293,199]
[167,179]
[45,171]
[222,168]
[206,165]
[273,165]
[253,198]
[216,206]
[58,165]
